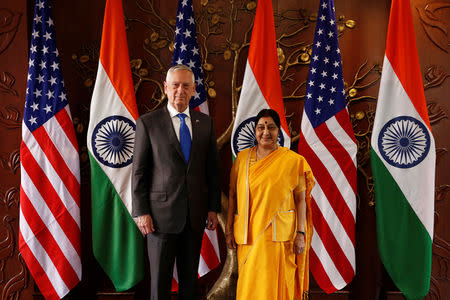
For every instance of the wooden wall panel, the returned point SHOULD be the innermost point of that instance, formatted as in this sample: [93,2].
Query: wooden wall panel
[431,22]
[362,43]
[15,282]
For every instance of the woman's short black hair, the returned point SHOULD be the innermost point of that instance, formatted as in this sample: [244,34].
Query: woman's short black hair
[268,113]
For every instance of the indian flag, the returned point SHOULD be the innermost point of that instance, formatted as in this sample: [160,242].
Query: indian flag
[261,88]
[403,161]
[117,242]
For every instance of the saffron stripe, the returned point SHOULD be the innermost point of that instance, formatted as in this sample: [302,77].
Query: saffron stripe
[263,59]
[115,58]
[404,57]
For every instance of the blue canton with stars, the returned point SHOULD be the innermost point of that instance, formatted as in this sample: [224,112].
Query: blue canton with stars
[46,94]
[325,92]
[186,49]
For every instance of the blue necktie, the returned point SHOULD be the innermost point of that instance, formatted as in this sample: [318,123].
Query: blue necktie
[185,138]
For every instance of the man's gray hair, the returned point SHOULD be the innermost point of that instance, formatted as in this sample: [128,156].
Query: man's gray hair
[180,68]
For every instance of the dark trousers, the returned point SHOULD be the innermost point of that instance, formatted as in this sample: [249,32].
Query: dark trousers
[163,248]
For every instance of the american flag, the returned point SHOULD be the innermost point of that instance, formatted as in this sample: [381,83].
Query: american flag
[328,143]
[49,221]
[186,52]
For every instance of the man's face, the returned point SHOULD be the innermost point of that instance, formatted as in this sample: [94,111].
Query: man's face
[179,89]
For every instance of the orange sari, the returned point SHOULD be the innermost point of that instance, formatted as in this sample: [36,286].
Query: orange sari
[265,224]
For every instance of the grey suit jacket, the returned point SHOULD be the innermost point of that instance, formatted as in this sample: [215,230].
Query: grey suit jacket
[163,185]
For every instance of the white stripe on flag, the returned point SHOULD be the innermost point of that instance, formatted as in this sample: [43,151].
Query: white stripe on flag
[50,222]
[212,235]
[55,180]
[202,267]
[342,137]
[203,107]
[175,271]
[251,90]
[333,222]
[42,257]
[330,164]
[330,269]
[63,144]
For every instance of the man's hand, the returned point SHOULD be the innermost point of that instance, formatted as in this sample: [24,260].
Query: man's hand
[145,224]
[211,222]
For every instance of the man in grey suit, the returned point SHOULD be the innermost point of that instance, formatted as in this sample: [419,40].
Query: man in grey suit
[176,185]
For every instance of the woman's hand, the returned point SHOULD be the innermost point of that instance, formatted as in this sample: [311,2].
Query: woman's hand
[231,244]
[299,243]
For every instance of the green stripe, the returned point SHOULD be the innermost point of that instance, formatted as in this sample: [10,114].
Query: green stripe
[116,241]
[403,241]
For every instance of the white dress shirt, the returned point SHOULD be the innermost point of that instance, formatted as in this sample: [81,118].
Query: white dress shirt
[176,122]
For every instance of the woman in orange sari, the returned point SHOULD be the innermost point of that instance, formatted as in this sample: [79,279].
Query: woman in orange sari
[269,216]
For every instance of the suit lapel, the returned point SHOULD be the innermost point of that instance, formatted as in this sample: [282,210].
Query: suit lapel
[173,140]
[195,133]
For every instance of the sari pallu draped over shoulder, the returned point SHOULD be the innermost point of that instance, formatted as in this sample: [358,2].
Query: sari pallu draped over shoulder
[265,224]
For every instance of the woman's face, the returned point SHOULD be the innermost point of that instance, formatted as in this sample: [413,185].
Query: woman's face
[266,132]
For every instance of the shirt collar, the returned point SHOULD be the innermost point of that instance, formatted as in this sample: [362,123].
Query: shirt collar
[173,112]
